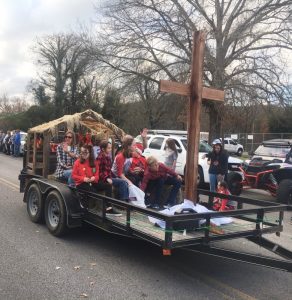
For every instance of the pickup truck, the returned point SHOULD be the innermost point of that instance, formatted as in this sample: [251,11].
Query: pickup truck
[156,147]
[232,146]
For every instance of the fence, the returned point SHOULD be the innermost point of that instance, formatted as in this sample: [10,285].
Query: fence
[251,141]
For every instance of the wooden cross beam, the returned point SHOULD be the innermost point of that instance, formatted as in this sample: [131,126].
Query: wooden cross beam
[196,92]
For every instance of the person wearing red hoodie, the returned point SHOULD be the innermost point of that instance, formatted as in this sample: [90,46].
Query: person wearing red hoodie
[222,204]
[86,173]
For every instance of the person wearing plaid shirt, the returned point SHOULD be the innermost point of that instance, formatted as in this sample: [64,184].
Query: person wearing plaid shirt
[67,153]
[105,174]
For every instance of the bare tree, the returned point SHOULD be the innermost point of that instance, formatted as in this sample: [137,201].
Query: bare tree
[10,105]
[64,61]
[245,42]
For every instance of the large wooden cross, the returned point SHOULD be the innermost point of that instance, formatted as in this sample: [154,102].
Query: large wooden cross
[196,92]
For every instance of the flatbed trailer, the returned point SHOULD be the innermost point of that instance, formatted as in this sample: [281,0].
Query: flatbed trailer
[62,208]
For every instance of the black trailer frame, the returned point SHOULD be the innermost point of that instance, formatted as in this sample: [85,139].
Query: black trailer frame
[254,222]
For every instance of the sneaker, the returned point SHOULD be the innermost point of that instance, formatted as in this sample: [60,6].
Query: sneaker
[167,206]
[111,212]
[155,206]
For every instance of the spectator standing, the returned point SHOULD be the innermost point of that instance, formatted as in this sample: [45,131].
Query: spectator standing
[7,142]
[2,135]
[171,154]
[17,142]
[12,142]
[218,160]
[288,158]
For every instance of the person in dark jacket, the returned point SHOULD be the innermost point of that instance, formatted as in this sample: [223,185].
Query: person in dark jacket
[218,160]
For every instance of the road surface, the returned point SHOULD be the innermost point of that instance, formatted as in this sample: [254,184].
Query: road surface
[91,264]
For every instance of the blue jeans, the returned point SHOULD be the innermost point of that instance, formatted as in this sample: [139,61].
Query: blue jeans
[122,187]
[16,150]
[68,176]
[159,183]
[213,182]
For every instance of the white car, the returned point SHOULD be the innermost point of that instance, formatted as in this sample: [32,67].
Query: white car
[232,146]
[156,148]
[22,142]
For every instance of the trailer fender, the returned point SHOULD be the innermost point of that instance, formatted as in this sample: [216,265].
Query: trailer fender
[69,196]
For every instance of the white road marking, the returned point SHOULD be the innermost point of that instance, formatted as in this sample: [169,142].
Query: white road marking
[9,184]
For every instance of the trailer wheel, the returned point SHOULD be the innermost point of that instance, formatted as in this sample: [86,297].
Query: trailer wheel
[234,181]
[55,214]
[35,204]
[284,192]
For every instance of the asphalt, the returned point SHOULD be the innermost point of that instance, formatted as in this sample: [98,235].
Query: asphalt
[91,264]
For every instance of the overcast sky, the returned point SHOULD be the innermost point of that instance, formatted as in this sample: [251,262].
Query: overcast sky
[20,22]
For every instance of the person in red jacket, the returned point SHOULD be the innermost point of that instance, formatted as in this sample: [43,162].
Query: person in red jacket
[137,167]
[86,173]
[156,175]
[221,204]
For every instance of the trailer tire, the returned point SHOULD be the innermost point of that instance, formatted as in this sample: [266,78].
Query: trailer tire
[284,192]
[234,182]
[35,204]
[56,214]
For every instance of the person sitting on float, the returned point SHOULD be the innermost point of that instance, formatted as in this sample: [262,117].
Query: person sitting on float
[221,204]
[86,173]
[67,153]
[122,161]
[155,176]
[137,167]
[105,173]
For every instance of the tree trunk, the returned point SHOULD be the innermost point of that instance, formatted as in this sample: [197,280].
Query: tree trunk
[214,122]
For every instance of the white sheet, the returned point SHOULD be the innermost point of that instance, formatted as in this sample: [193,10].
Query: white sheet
[197,208]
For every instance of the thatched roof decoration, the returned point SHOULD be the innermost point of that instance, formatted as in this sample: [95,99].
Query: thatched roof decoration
[89,119]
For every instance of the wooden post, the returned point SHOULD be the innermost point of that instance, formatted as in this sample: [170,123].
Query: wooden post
[195,91]
[46,154]
[195,101]
[28,148]
[34,153]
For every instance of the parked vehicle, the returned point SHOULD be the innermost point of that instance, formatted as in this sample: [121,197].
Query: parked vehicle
[266,170]
[232,146]
[23,136]
[157,144]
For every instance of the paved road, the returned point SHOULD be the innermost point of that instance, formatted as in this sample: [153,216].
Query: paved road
[89,262]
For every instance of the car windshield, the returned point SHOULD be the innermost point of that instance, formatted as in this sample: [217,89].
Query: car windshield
[272,151]
[204,147]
